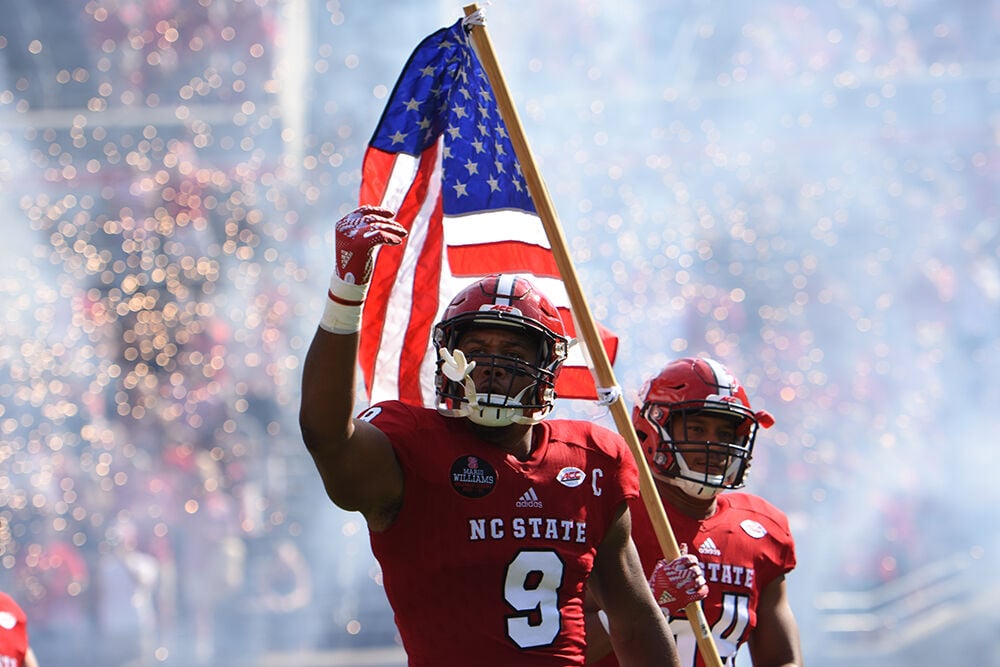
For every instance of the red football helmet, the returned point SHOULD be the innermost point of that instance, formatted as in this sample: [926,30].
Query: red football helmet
[688,387]
[500,301]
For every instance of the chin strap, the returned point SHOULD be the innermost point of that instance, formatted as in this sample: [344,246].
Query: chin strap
[693,488]
[471,397]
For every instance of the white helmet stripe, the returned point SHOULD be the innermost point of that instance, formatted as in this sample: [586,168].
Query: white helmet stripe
[722,377]
[505,288]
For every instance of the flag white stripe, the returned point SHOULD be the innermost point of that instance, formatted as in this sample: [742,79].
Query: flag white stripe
[404,170]
[497,226]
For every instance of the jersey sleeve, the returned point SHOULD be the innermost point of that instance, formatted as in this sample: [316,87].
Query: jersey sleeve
[401,424]
[614,446]
[786,561]
[777,549]
[628,473]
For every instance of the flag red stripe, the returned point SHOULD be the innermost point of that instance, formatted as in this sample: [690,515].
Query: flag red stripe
[423,312]
[507,257]
[375,169]
[575,382]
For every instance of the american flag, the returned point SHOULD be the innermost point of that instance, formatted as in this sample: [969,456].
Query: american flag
[441,158]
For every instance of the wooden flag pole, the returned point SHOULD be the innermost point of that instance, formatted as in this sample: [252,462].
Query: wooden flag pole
[604,375]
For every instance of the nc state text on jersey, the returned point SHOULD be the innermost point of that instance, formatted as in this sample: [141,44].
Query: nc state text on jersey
[529,528]
[728,574]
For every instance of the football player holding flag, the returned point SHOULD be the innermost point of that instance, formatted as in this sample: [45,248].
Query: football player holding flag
[698,431]
[488,520]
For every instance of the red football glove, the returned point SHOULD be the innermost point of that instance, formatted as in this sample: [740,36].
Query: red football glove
[678,583]
[357,235]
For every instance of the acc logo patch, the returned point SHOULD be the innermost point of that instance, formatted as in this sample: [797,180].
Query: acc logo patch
[753,528]
[472,476]
[571,477]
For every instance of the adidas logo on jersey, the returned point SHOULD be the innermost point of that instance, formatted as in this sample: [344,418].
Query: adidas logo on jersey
[529,499]
[708,548]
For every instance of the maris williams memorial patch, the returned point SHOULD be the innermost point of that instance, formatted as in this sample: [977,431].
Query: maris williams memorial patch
[472,477]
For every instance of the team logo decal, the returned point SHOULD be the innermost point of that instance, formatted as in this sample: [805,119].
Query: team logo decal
[7,620]
[753,528]
[571,477]
[472,476]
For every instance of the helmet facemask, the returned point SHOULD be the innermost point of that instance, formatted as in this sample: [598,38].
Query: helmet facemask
[675,443]
[501,404]
[685,458]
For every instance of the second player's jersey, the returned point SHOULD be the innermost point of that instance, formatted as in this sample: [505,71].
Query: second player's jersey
[487,560]
[742,548]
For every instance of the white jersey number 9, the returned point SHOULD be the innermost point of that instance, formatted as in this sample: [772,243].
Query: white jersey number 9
[532,589]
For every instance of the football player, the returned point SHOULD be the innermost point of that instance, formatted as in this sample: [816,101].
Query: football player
[488,520]
[697,432]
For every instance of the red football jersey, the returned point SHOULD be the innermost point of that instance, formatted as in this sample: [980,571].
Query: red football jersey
[13,632]
[487,560]
[742,548]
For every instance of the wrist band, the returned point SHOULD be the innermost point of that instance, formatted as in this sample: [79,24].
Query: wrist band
[344,302]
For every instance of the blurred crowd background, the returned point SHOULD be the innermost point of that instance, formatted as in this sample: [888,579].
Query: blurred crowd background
[807,191]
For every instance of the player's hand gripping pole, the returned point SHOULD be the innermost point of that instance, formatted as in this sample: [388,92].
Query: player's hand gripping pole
[587,329]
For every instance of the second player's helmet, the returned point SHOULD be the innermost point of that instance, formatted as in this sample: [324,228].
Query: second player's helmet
[500,301]
[696,386]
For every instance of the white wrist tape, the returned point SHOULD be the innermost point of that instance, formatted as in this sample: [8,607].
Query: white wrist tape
[344,302]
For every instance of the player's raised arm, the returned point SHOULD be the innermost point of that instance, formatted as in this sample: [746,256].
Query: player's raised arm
[354,458]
